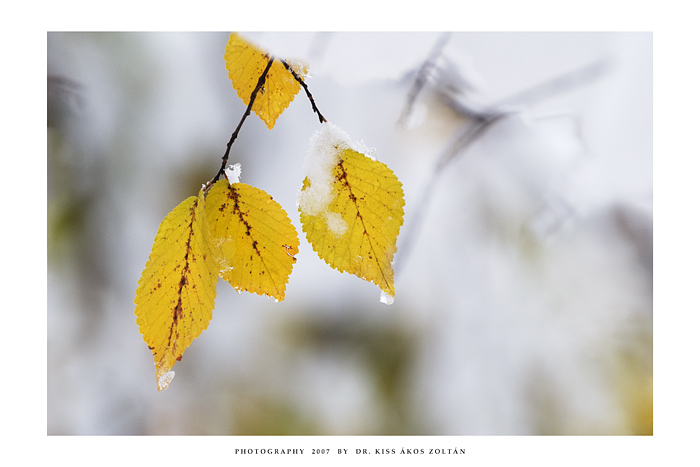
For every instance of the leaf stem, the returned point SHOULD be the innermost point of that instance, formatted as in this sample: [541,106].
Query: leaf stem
[234,135]
[321,118]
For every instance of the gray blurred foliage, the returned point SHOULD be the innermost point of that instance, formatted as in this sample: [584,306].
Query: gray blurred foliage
[524,272]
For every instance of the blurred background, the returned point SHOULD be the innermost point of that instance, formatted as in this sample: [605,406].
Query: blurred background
[524,271]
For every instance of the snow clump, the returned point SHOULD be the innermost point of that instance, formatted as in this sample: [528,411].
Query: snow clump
[325,149]
[233,173]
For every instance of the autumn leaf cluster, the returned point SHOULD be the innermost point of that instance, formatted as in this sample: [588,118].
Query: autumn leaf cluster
[350,208]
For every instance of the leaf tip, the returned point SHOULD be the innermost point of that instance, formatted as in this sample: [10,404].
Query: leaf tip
[386,298]
[164,380]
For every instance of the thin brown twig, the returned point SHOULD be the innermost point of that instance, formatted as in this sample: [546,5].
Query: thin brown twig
[253,95]
[321,118]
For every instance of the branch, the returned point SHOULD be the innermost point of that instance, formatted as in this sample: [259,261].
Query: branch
[480,121]
[558,85]
[470,134]
[321,118]
[253,95]
[422,77]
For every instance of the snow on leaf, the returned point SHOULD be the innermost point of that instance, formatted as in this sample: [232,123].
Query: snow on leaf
[176,291]
[246,63]
[351,208]
[386,298]
[165,379]
[257,241]
[233,173]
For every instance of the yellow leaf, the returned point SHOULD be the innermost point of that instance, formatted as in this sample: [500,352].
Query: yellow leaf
[256,239]
[246,63]
[176,292]
[351,209]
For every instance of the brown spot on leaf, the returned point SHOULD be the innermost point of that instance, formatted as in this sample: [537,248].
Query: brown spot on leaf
[177,313]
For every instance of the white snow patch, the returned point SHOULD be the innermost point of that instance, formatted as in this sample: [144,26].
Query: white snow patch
[325,148]
[386,298]
[336,223]
[233,173]
[165,379]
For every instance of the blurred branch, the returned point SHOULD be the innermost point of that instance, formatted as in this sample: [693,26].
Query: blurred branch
[64,98]
[479,121]
[559,85]
[422,77]
[469,134]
